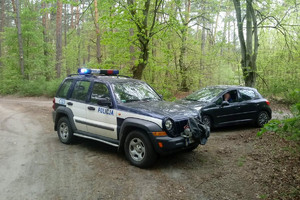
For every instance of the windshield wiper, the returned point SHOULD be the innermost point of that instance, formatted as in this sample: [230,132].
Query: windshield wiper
[148,99]
[132,100]
[191,99]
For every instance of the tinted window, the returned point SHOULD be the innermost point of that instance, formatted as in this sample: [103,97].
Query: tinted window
[247,94]
[100,90]
[63,91]
[80,90]
[206,94]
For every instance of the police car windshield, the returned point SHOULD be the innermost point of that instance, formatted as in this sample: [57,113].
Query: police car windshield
[204,95]
[134,91]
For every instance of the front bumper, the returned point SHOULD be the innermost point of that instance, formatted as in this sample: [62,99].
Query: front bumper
[172,145]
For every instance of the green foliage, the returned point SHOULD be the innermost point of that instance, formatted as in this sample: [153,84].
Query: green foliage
[212,54]
[38,87]
[287,128]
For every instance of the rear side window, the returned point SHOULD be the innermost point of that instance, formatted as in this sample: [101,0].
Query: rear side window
[63,91]
[80,90]
[248,95]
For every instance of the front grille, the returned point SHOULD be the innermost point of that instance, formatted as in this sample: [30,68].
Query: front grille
[179,128]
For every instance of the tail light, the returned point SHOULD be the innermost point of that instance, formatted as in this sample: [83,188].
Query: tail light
[53,106]
[268,102]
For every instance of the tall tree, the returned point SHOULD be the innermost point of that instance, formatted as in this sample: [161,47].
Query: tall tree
[58,38]
[2,24]
[45,27]
[16,7]
[248,52]
[98,45]
[183,49]
[145,31]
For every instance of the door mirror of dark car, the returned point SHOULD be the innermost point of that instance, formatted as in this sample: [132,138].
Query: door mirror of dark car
[224,103]
[104,102]
[161,96]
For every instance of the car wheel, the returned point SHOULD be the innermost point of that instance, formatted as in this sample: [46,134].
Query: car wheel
[191,148]
[262,118]
[139,150]
[64,131]
[207,121]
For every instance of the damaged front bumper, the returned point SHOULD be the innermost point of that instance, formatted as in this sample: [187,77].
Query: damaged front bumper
[171,145]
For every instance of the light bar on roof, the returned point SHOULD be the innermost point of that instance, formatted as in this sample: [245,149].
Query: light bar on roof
[83,71]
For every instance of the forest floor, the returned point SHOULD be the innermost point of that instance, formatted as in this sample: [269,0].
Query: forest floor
[234,164]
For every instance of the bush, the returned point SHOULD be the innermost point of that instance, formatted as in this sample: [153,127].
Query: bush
[38,87]
[287,128]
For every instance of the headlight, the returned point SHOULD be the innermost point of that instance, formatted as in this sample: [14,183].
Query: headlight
[168,124]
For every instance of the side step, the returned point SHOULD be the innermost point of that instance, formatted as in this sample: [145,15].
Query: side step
[92,138]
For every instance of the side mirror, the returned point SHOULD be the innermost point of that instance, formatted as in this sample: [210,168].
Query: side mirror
[224,103]
[161,96]
[104,102]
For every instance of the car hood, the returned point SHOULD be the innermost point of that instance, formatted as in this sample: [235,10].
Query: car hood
[197,105]
[160,109]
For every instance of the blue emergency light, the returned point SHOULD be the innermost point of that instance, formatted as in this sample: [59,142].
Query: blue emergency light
[83,71]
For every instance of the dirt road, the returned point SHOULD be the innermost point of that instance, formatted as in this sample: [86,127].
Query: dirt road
[35,165]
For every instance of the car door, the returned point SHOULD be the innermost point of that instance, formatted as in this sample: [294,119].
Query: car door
[101,120]
[77,103]
[226,114]
[248,104]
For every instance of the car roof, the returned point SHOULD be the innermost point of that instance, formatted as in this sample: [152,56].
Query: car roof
[229,87]
[106,79]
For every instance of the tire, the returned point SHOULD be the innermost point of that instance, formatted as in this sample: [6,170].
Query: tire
[207,121]
[64,131]
[191,148]
[139,150]
[262,119]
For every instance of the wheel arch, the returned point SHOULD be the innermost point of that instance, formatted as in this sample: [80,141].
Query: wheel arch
[146,127]
[64,112]
[211,118]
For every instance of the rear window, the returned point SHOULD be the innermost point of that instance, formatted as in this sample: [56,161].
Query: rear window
[63,91]
[80,90]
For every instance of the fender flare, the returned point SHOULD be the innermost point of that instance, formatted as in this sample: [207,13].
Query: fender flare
[64,111]
[130,124]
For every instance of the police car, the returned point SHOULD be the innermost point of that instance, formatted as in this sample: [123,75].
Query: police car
[125,113]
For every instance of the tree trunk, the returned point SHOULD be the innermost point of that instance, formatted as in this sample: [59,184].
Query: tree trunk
[89,53]
[248,62]
[183,48]
[45,29]
[2,26]
[58,38]
[72,16]
[65,24]
[16,7]
[132,50]
[144,56]
[78,33]
[98,47]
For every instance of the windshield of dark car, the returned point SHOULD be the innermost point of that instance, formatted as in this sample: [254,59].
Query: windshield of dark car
[205,94]
[134,91]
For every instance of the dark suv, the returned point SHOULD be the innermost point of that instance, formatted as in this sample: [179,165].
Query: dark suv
[125,113]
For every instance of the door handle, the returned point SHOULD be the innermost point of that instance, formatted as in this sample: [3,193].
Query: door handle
[91,108]
[70,103]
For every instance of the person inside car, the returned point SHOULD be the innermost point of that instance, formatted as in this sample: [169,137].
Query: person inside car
[228,98]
